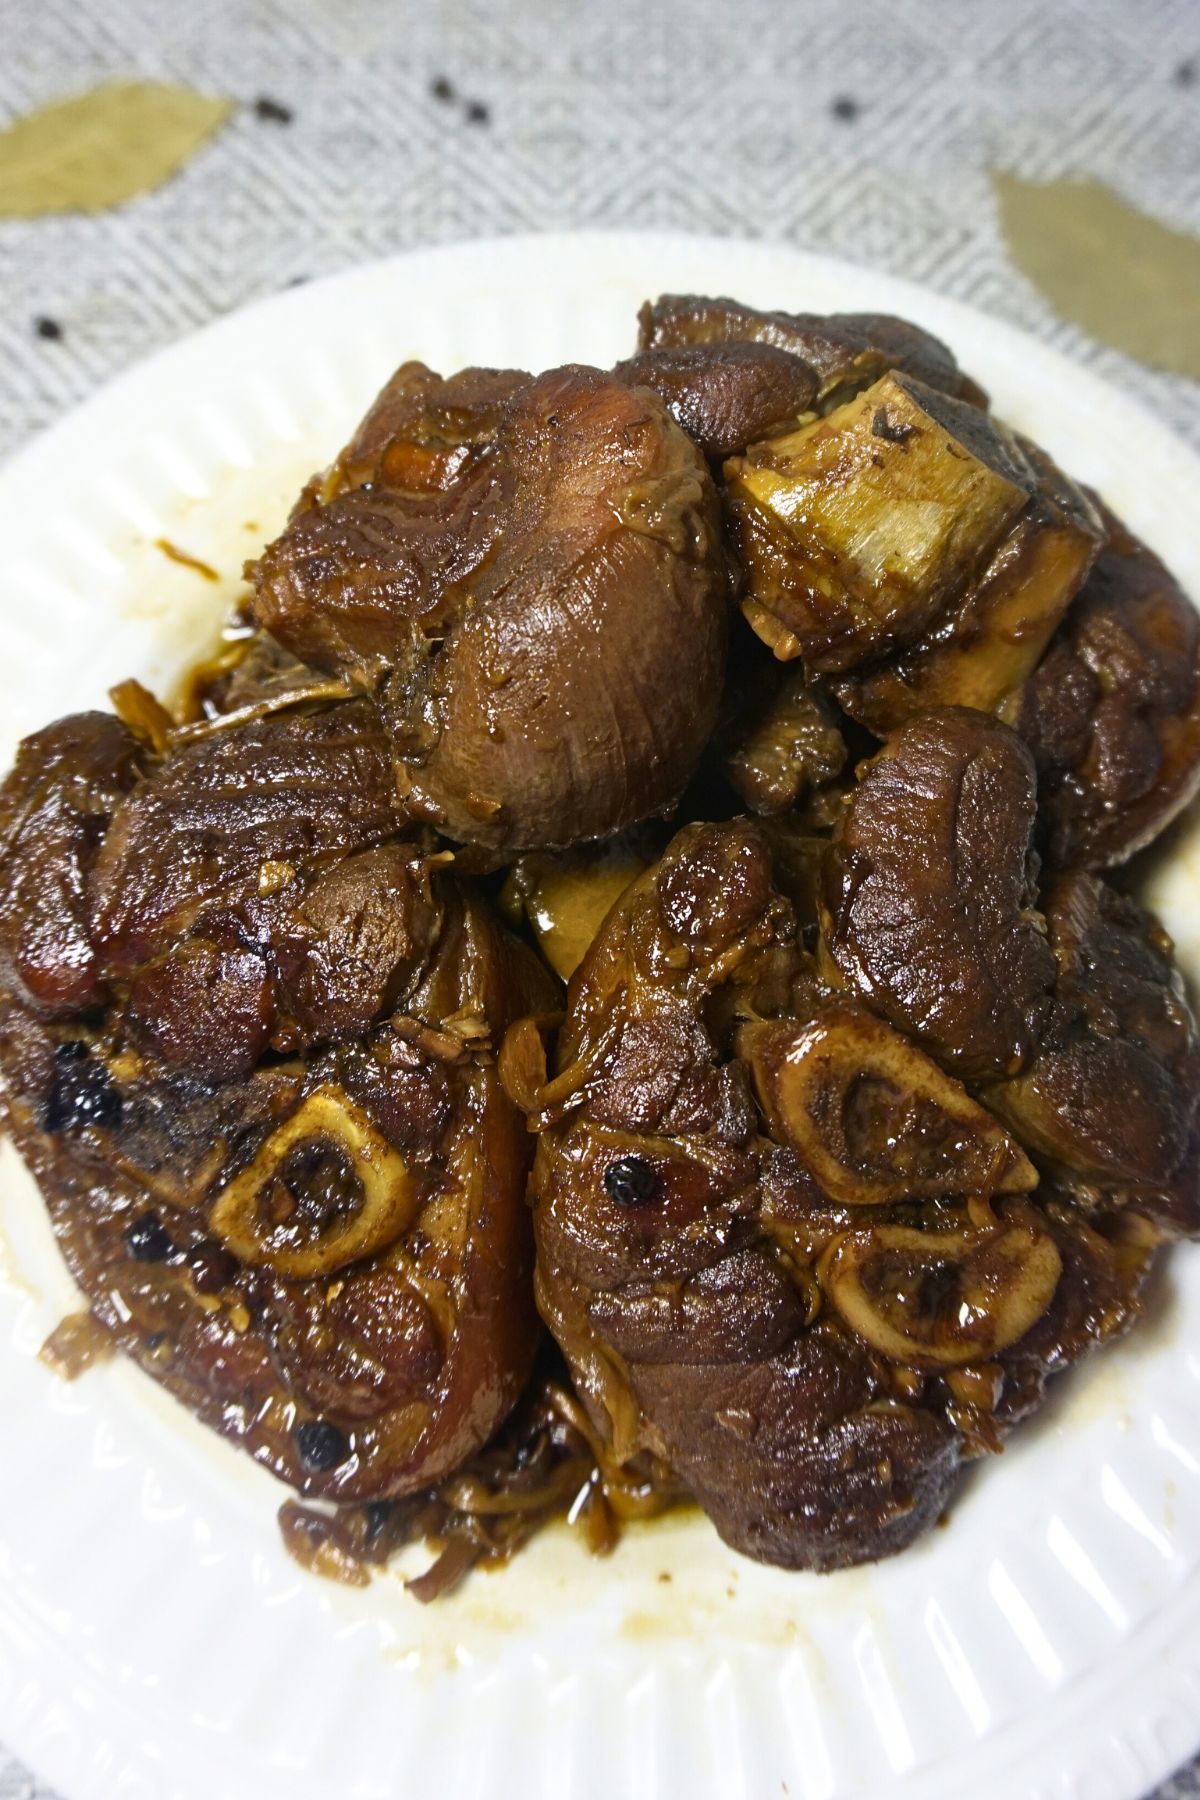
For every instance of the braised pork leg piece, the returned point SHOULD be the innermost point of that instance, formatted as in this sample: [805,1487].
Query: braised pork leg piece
[783,750]
[1112,713]
[929,902]
[55,807]
[1060,1005]
[528,576]
[783,1251]
[728,394]
[1110,1101]
[252,1066]
[845,351]
[732,376]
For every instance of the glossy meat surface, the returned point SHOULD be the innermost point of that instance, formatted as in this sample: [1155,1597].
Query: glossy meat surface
[325,1255]
[928,903]
[1111,1099]
[541,611]
[1062,1005]
[55,808]
[845,351]
[247,895]
[1112,713]
[781,1249]
[727,394]
[299,789]
[782,749]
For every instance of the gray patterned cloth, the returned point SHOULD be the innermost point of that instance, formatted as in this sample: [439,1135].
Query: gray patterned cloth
[865,129]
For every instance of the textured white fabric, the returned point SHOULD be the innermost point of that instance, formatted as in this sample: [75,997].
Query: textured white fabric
[865,128]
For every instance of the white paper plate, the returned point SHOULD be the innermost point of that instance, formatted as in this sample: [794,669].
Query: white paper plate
[155,1641]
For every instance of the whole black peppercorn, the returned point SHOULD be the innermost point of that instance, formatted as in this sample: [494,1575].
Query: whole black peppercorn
[273,111]
[213,1267]
[80,1093]
[893,430]
[377,1516]
[148,1239]
[48,328]
[321,1445]
[630,1180]
[845,107]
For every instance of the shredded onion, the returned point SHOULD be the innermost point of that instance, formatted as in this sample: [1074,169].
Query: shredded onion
[546,1463]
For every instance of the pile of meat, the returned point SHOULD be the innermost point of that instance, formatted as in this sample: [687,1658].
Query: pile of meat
[794,711]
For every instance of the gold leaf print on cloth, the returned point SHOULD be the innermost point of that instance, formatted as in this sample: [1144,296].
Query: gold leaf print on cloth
[102,147]
[1126,278]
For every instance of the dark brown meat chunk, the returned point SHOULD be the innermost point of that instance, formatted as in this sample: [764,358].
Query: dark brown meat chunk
[785,1452]
[845,351]
[290,792]
[319,960]
[929,907]
[244,897]
[536,593]
[783,749]
[327,1259]
[813,1311]
[410,507]
[931,915]
[1111,1099]
[726,395]
[54,810]
[1104,1259]
[1112,714]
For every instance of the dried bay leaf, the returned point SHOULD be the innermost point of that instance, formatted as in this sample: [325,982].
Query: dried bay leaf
[1123,276]
[102,147]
